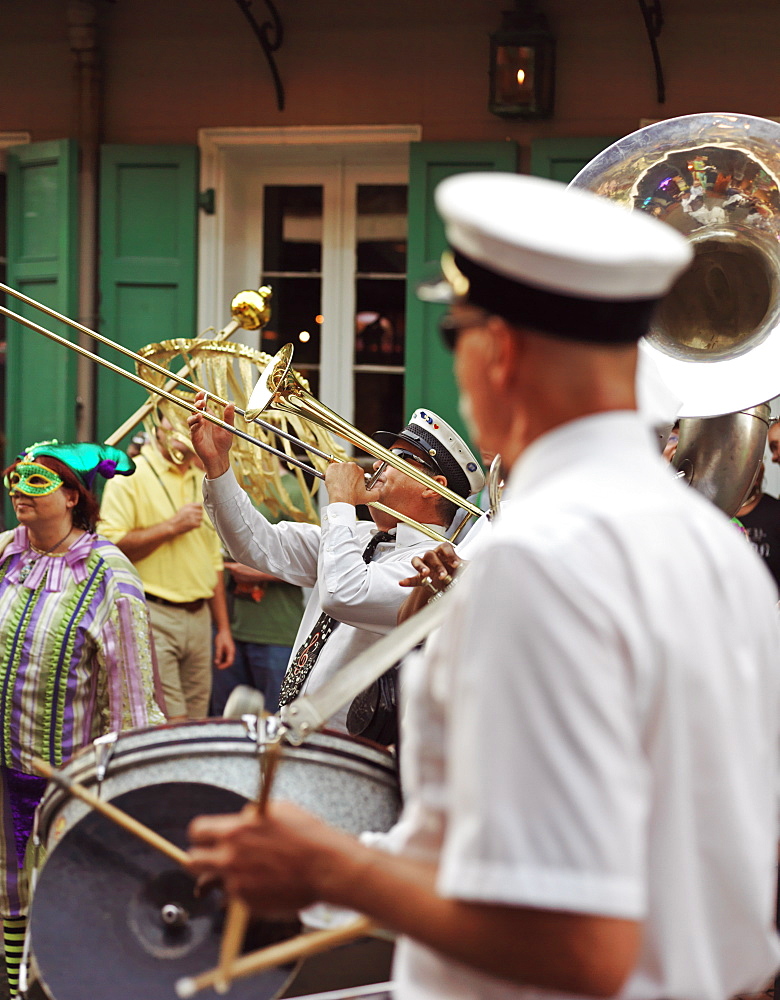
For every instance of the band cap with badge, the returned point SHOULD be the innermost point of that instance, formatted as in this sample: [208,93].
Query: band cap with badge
[447,451]
[557,260]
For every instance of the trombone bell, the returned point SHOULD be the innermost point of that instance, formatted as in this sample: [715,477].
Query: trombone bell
[279,388]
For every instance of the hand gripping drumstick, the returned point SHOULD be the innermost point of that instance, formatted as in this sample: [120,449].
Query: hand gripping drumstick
[116,815]
[302,946]
[238,912]
[243,700]
[305,715]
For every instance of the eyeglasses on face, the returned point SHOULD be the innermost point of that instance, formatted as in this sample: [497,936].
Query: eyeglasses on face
[450,326]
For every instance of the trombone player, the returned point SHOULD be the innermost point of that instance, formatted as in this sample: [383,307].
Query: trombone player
[353,567]
[589,790]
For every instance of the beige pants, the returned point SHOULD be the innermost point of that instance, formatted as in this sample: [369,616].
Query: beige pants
[182,641]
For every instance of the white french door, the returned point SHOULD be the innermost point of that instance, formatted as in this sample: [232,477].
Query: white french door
[325,225]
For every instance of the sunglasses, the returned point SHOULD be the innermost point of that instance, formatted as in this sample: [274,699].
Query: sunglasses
[410,456]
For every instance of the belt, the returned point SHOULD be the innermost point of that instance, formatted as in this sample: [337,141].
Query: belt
[191,606]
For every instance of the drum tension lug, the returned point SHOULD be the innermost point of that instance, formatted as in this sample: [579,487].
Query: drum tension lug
[104,751]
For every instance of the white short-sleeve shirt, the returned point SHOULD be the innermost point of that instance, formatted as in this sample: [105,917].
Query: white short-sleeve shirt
[595,728]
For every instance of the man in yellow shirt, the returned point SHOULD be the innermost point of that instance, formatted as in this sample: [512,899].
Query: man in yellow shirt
[158,523]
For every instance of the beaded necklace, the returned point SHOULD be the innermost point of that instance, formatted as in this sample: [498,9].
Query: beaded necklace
[25,571]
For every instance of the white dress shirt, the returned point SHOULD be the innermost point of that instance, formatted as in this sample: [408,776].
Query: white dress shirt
[595,728]
[363,597]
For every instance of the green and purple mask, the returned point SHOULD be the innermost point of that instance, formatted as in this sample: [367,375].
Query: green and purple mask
[87,460]
[32,479]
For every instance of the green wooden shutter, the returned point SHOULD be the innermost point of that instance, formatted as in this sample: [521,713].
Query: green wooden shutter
[429,380]
[148,261]
[562,159]
[42,263]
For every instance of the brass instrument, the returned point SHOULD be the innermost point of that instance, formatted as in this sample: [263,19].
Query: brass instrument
[230,370]
[715,338]
[715,455]
[250,311]
[281,389]
[269,378]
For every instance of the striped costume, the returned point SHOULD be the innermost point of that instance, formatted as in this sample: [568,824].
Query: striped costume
[76,661]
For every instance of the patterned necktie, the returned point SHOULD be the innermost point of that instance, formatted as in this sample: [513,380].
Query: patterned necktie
[303,663]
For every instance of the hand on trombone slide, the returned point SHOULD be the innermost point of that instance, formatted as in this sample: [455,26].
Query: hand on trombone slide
[345,481]
[210,441]
[436,570]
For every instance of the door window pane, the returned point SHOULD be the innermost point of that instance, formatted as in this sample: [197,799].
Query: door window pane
[292,231]
[380,291]
[379,400]
[381,228]
[292,261]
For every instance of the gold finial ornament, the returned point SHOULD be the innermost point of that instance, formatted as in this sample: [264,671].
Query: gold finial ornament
[252,309]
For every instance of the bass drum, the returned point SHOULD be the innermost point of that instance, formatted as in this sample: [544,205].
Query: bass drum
[111,916]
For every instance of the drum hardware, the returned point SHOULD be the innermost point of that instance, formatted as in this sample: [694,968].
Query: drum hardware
[174,915]
[278,387]
[248,704]
[238,913]
[298,720]
[104,750]
[110,811]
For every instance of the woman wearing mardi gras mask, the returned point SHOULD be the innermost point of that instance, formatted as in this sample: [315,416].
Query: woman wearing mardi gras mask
[75,644]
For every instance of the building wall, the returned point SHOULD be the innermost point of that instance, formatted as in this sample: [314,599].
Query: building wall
[174,66]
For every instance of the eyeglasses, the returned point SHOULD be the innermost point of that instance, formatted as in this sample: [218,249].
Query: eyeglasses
[450,326]
[410,456]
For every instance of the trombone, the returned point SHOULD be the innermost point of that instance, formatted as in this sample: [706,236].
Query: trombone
[277,388]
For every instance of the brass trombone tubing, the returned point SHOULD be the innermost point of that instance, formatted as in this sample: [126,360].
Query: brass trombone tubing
[284,398]
[169,375]
[37,328]
[146,408]
[319,412]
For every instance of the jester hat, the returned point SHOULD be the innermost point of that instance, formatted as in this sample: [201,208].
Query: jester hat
[86,459]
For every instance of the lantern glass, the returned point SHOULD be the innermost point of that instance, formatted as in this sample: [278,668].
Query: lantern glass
[522,66]
[515,74]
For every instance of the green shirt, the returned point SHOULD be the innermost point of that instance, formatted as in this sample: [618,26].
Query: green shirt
[274,619]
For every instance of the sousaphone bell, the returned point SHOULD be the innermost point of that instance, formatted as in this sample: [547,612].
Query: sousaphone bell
[714,339]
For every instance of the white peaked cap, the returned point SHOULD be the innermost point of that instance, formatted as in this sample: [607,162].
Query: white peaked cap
[562,240]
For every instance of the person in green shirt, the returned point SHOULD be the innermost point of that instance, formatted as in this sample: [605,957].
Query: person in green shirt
[264,617]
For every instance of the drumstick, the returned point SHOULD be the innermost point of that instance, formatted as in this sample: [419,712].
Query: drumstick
[238,913]
[302,946]
[116,815]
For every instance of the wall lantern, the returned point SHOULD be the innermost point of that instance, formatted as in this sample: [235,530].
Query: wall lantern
[522,64]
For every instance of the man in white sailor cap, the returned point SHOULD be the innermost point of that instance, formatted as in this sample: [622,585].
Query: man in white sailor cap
[590,743]
[351,566]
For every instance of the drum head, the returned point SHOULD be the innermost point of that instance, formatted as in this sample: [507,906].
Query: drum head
[113,917]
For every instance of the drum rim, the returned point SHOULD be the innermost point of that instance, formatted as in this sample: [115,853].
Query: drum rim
[325,748]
